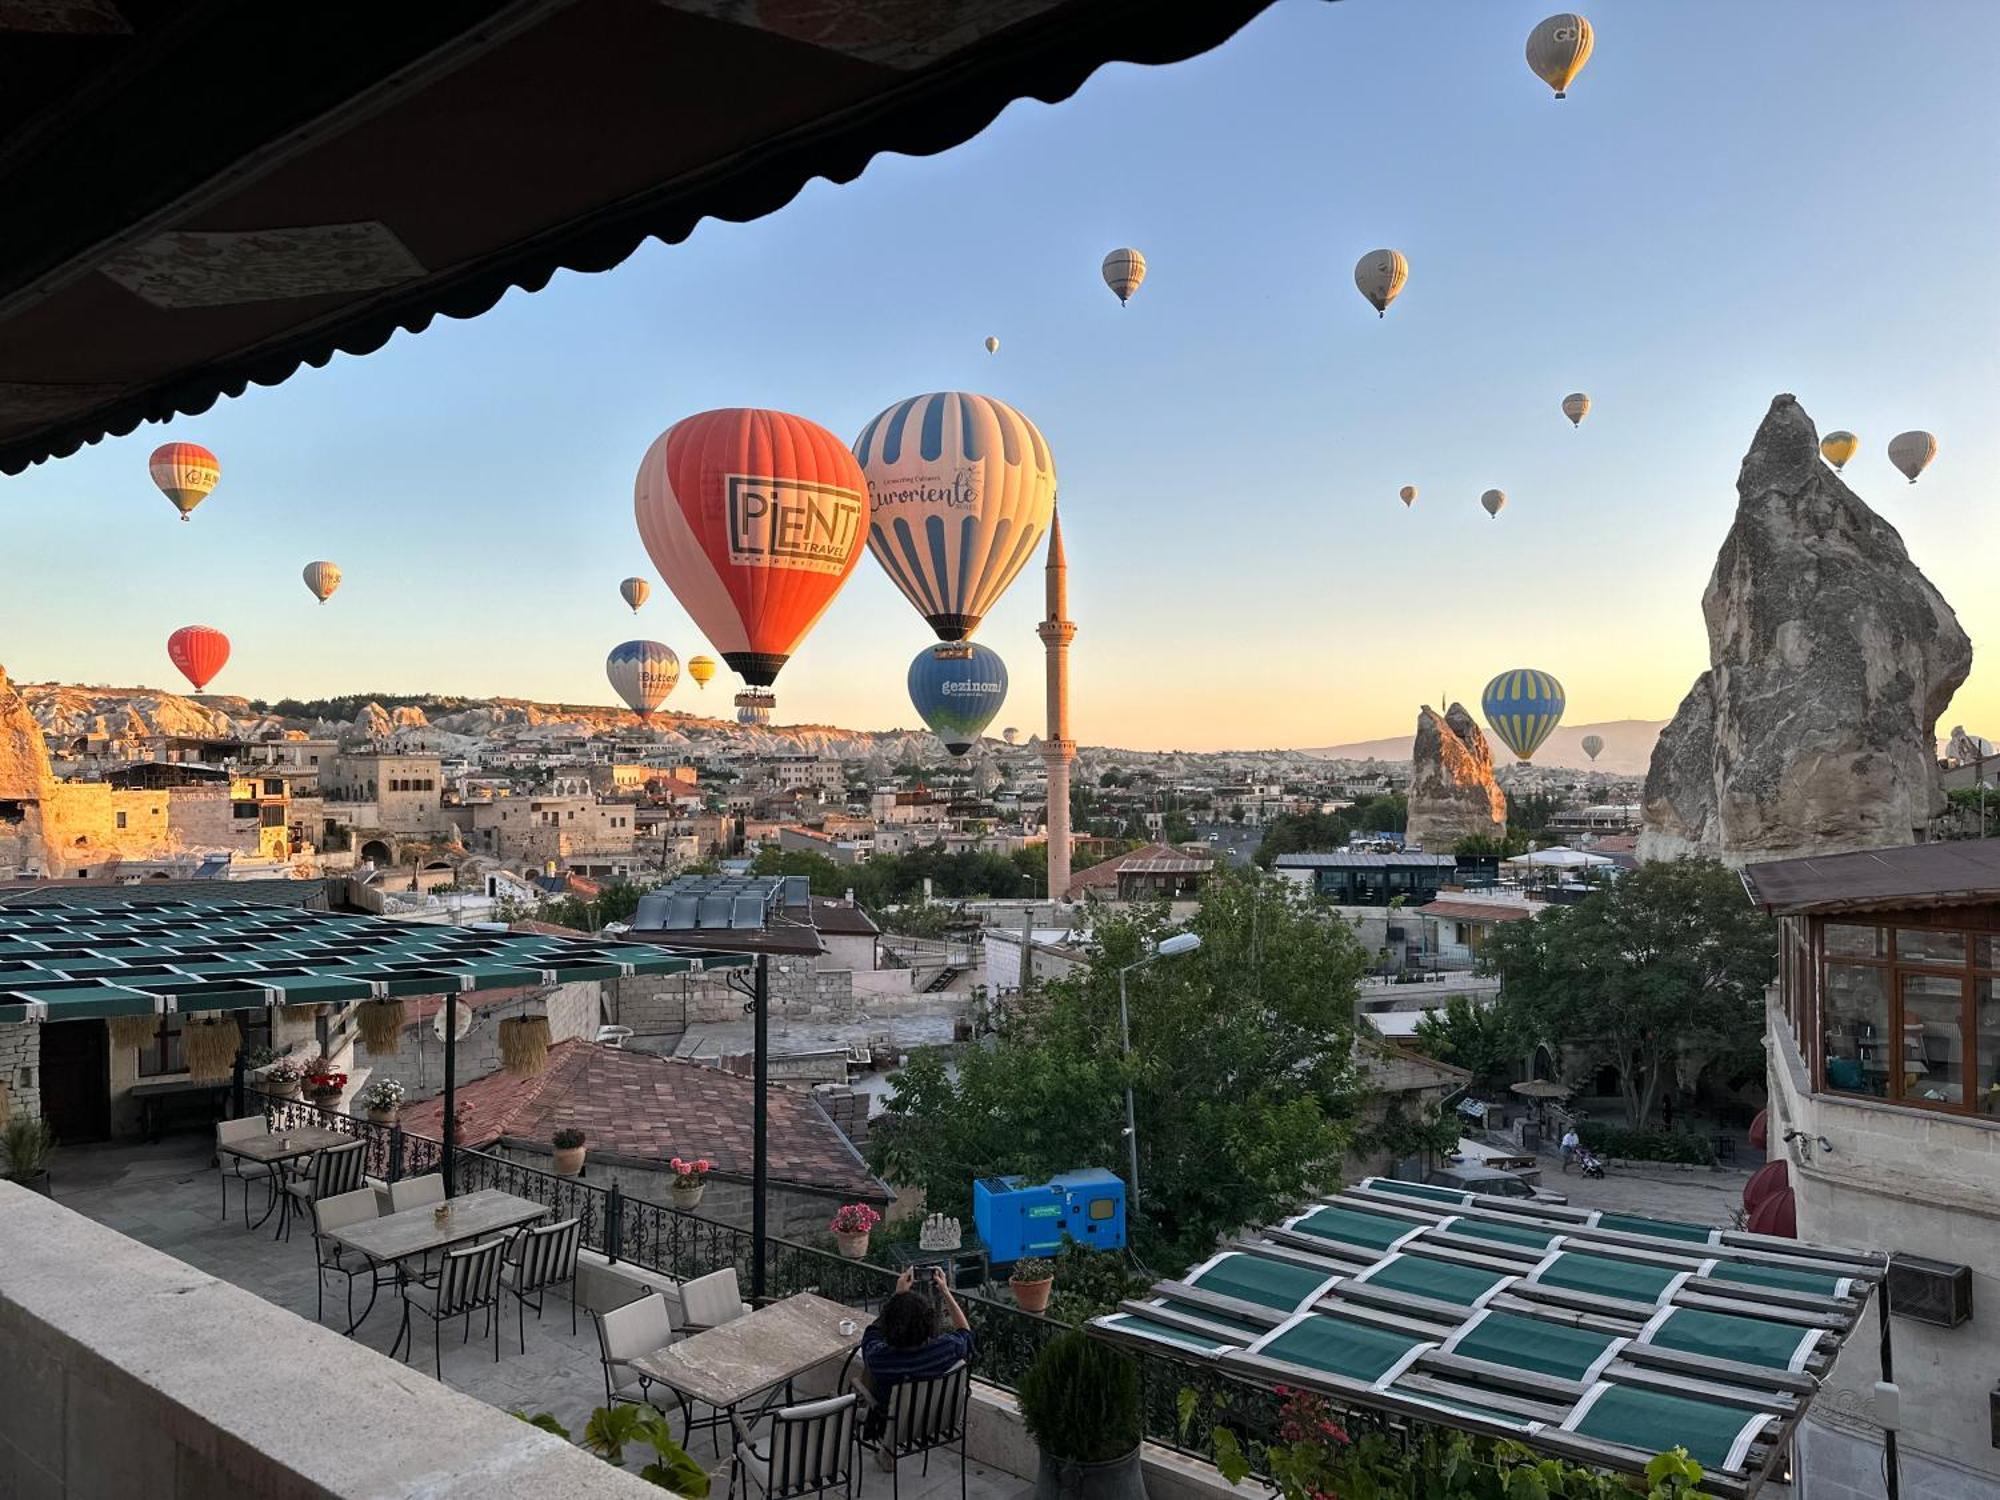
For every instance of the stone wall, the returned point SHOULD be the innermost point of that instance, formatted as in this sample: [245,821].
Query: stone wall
[21,1067]
[419,1063]
[666,1005]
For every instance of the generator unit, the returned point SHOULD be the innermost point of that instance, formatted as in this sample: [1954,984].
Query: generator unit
[1017,1218]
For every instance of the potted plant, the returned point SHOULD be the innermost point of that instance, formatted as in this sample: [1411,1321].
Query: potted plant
[26,1144]
[1080,1403]
[383,1100]
[851,1225]
[282,1079]
[567,1146]
[1031,1282]
[690,1177]
[323,1083]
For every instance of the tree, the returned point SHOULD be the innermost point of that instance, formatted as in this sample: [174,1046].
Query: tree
[1482,1039]
[1298,833]
[1666,965]
[1241,1066]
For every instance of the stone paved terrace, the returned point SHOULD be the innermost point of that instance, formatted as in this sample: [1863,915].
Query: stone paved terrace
[166,1195]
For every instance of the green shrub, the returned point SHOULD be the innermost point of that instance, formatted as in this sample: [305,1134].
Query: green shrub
[1080,1400]
[1647,1145]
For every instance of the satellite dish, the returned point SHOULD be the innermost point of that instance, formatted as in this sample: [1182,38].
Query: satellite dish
[464,1020]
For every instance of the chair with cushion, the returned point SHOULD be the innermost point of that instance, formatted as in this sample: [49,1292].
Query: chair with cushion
[919,1415]
[329,1214]
[334,1170]
[416,1192]
[235,1168]
[625,1333]
[536,1260]
[809,1450]
[710,1301]
[468,1281]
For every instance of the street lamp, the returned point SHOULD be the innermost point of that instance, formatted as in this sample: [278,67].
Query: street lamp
[1172,947]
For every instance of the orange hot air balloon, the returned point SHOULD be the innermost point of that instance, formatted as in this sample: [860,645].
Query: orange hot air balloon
[200,651]
[185,473]
[755,519]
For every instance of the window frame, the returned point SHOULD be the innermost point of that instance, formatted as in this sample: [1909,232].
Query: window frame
[162,1057]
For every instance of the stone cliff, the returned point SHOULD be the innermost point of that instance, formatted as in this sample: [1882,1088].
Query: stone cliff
[1452,792]
[1831,657]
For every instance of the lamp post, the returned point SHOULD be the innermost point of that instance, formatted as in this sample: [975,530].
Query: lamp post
[1173,947]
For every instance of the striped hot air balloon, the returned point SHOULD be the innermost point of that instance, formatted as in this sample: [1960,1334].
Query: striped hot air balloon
[1123,271]
[958,688]
[1522,706]
[1838,447]
[701,669]
[322,578]
[200,651]
[642,673]
[960,490]
[753,709]
[755,519]
[185,473]
[635,592]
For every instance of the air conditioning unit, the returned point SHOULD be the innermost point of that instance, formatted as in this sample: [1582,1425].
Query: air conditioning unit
[1930,1291]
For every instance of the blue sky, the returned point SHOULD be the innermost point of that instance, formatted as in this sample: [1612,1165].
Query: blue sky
[1736,200]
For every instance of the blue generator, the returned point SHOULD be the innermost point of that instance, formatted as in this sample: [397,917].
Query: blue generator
[1017,1218]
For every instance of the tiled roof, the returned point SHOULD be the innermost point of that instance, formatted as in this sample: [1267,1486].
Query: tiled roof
[1162,858]
[1477,911]
[646,1108]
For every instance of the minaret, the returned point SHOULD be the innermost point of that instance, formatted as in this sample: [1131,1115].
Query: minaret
[1058,749]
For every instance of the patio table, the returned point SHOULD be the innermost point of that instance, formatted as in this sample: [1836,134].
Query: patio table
[725,1366]
[274,1151]
[416,1232]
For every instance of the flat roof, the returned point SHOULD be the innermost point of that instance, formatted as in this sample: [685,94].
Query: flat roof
[1962,872]
[1347,860]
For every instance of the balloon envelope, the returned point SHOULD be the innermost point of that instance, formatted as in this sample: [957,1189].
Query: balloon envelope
[1593,745]
[755,519]
[185,473]
[701,669]
[1123,271]
[1912,452]
[958,689]
[200,651]
[1558,48]
[960,490]
[1522,706]
[642,673]
[1495,501]
[1576,406]
[1408,494]
[1838,447]
[992,345]
[322,578]
[754,708]
[635,592]
[1380,275]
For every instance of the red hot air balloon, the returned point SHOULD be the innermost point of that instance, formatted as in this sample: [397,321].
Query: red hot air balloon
[199,651]
[754,519]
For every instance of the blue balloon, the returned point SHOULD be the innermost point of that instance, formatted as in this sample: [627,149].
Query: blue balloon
[958,688]
[1523,706]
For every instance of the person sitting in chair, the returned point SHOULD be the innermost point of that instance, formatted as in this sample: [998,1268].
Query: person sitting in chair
[905,1343]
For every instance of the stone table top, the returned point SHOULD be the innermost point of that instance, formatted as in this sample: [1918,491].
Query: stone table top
[414,1231]
[726,1365]
[285,1145]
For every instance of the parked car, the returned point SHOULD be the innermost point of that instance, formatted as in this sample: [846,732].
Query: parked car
[1493,1182]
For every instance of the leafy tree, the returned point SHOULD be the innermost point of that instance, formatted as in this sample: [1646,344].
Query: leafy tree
[1176,829]
[1528,814]
[1483,1039]
[1670,960]
[1509,844]
[1241,1066]
[1297,833]
[825,877]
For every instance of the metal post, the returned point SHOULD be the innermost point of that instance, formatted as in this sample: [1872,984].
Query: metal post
[1890,1482]
[614,1222]
[236,1087]
[1131,1118]
[450,1093]
[760,1144]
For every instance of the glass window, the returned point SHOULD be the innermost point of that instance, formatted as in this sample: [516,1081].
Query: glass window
[1933,1046]
[1855,942]
[1928,946]
[1856,1021]
[1986,952]
[1985,1081]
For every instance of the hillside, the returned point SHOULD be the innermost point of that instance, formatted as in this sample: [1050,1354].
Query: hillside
[1628,747]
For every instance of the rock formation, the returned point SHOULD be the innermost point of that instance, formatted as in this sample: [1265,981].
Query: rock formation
[1830,658]
[1452,792]
[25,780]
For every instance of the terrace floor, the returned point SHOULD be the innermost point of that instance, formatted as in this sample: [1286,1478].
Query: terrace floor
[166,1195]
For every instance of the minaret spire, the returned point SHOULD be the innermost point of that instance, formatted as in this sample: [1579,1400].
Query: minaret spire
[1058,749]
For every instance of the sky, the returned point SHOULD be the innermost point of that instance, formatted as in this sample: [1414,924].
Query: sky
[1735,200]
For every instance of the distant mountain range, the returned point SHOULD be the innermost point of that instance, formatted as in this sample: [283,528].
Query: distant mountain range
[1628,747]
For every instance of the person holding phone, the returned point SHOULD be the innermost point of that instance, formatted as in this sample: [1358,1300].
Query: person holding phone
[906,1343]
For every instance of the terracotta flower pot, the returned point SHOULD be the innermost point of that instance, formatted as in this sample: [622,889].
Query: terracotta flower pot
[853,1246]
[385,1116]
[569,1159]
[686,1198]
[1033,1296]
[325,1098]
[283,1090]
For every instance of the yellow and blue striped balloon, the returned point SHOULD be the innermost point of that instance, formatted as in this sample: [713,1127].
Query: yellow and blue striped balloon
[1523,707]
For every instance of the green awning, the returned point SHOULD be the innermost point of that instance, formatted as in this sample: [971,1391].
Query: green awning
[1524,1343]
[1750,1341]
[1530,1236]
[1440,1280]
[1716,1435]
[1243,1326]
[1601,1275]
[1126,1323]
[1783,1278]
[1423,1190]
[1462,1408]
[1350,1226]
[1340,1346]
[1275,1284]
[1661,1229]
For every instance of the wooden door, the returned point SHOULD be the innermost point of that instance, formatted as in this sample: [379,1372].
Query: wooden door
[76,1080]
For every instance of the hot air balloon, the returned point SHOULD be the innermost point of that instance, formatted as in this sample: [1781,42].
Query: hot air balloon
[1576,406]
[754,708]
[642,673]
[754,519]
[992,344]
[1011,735]
[635,592]
[1912,452]
[200,651]
[1522,706]
[958,688]
[1558,49]
[960,490]
[1123,271]
[1838,447]
[1380,275]
[1495,501]
[1593,745]
[1407,494]
[185,473]
[701,669]
[322,578]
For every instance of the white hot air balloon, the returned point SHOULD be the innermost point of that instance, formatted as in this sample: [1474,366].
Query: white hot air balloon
[322,578]
[992,344]
[1495,501]
[635,592]
[1123,271]
[642,673]
[1380,275]
[1558,48]
[1912,452]
[1407,494]
[1576,406]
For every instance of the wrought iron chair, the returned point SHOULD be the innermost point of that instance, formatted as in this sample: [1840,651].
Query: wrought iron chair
[329,1214]
[235,1168]
[334,1170]
[623,1334]
[537,1259]
[415,1192]
[468,1281]
[711,1300]
[808,1450]
[920,1415]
